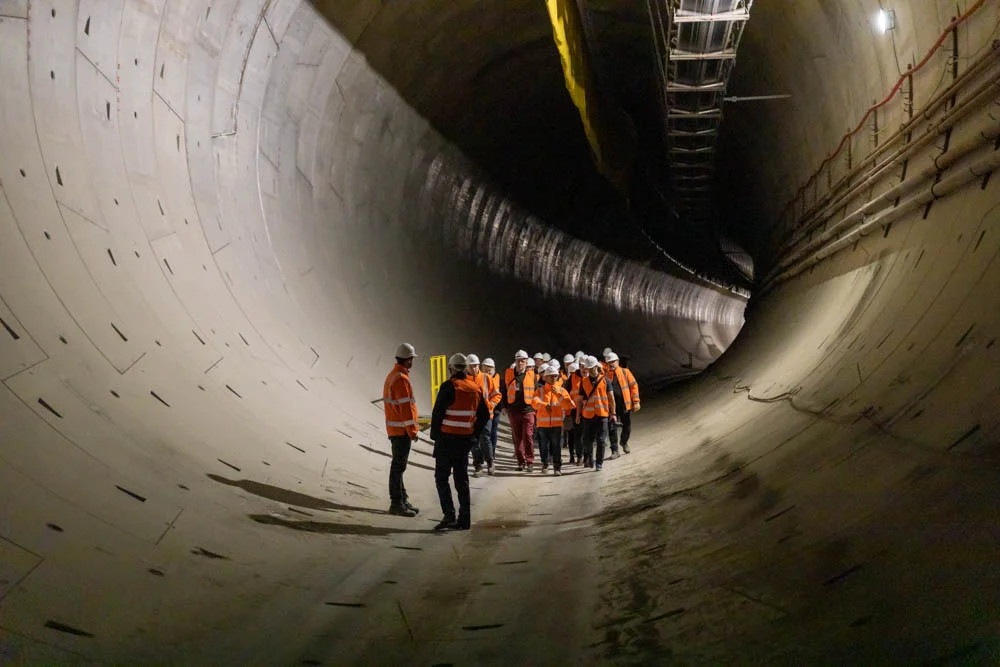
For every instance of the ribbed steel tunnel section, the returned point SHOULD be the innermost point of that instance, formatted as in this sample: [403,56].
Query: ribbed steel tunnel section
[217,220]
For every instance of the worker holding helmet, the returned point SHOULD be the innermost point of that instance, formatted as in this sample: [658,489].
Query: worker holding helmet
[401,426]
[519,394]
[626,393]
[595,409]
[457,420]
[552,405]
[482,452]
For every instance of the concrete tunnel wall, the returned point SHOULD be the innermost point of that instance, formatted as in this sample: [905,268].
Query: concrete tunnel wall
[237,194]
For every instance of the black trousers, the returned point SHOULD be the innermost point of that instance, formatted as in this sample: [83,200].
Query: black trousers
[620,431]
[483,451]
[451,459]
[595,430]
[400,456]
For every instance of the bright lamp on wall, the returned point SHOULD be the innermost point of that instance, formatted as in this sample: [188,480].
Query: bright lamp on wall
[885,20]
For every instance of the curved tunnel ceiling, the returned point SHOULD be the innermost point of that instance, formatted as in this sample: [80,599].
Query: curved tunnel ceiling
[217,221]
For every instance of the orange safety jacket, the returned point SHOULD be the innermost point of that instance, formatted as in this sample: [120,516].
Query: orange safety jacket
[595,397]
[460,416]
[574,386]
[552,405]
[399,404]
[510,381]
[630,388]
[490,387]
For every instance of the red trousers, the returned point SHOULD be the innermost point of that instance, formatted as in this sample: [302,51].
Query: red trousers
[522,428]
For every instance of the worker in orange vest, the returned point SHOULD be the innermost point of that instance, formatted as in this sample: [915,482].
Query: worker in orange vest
[595,409]
[626,392]
[552,405]
[490,370]
[401,425]
[458,418]
[574,438]
[519,392]
[482,452]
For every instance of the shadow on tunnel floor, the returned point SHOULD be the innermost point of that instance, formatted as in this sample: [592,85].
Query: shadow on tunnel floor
[330,528]
[286,496]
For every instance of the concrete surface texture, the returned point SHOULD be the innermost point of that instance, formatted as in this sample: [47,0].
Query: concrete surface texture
[219,218]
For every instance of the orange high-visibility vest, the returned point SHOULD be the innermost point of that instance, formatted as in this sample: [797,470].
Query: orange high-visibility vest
[552,405]
[460,416]
[596,401]
[399,404]
[629,387]
[491,389]
[574,386]
[510,380]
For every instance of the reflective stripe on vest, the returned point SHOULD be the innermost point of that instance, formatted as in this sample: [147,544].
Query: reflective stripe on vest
[460,416]
[551,414]
[625,387]
[399,405]
[595,398]
[510,379]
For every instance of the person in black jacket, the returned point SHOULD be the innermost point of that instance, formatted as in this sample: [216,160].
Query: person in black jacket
[459,416]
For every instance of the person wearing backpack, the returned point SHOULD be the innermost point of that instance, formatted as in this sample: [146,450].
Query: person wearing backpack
[595,409]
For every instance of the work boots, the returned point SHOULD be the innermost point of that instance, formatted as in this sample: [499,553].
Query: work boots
[399,509]
[489,471]
[626,449]
[407,505]
[447,523]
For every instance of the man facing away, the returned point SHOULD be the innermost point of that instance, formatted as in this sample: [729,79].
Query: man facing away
[401,426]
[552,405]
[626,392]
[457,420]
[519,392]
[482,452]
[595,408]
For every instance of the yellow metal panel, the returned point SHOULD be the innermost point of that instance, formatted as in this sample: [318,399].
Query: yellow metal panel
[439,373]
[568,34]
[609,129]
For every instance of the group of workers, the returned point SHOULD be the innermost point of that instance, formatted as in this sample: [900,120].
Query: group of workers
[582,403]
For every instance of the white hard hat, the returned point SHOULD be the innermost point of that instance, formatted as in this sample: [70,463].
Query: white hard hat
[405,351]
[573,367]
[610,356]
[591,362]
[458,360]
[549,370]
[472,359]
[531,363]
[554,364]
[579,355]
[547,357]
[520,354]
[607,351]
[539,355]
[569,358]
[489,362]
